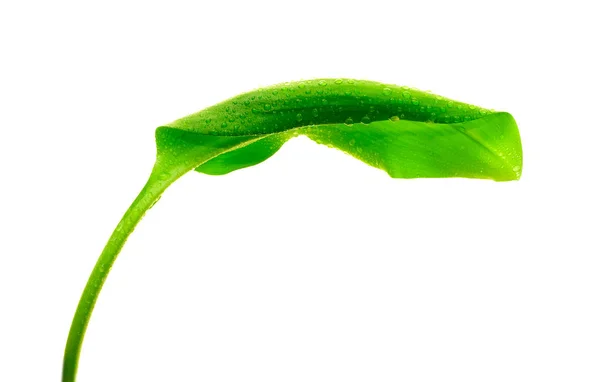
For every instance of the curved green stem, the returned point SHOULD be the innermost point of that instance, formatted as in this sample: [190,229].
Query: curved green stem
[153,189]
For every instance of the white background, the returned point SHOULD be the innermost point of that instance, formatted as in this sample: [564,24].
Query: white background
[311,266]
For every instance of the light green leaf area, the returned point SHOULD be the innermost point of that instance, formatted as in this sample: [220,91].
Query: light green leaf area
[405,132]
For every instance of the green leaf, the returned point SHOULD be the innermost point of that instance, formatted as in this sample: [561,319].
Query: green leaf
[405,132]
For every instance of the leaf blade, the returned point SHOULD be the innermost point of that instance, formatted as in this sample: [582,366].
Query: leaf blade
[406,132]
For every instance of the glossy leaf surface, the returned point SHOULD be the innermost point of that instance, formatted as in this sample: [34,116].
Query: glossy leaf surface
[405,132]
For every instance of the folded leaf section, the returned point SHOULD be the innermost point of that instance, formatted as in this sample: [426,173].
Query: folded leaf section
[405,132]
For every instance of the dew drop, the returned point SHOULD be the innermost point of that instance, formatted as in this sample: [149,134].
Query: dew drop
[322,83]
[154,202]
[351,81]
[301,85]
[349,121]
[315,113]
[338,81]
[415,102]
[516,168]
[366,120]
[224,124]
[406,94]
[267,106]
[255,111]
[450,104]
[324,101]
[298,117]
[472,107]
[394,118]
[274,92]
[352,142]
[387,91]
[208,120]
[231,119]
[247,102]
